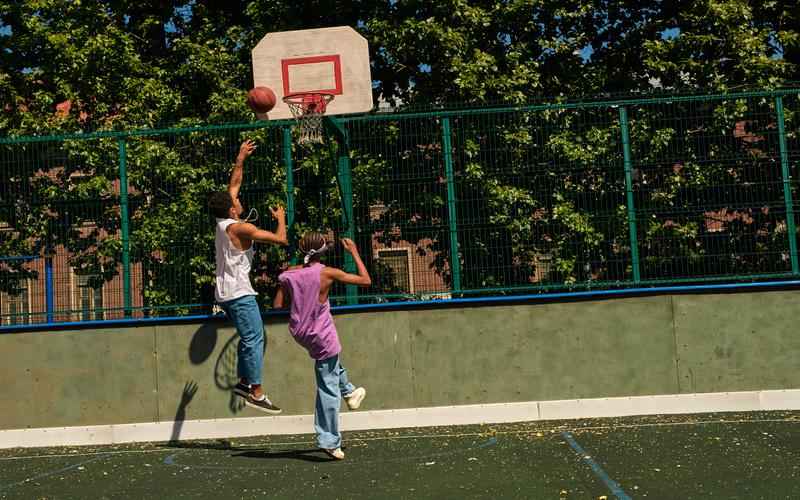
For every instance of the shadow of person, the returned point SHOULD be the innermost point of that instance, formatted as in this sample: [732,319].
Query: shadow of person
[307,455]
[189,390]
[219,444]
[304,455]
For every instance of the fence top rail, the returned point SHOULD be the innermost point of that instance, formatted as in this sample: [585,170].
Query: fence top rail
[612,103]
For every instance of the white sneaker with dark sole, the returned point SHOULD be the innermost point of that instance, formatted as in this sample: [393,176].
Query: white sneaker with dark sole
[337,453]
[355,398]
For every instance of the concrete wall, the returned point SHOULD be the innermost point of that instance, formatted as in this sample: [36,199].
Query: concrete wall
[620,347]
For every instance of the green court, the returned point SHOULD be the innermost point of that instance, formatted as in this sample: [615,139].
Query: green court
[748,456]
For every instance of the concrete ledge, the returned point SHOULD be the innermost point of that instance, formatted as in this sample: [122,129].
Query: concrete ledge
[410,417]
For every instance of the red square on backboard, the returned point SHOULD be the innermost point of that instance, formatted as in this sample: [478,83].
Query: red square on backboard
[337,73]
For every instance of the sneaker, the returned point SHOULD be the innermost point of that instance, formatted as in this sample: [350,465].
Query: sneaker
[337,453]
[242,390]
[263,404]
[355,398]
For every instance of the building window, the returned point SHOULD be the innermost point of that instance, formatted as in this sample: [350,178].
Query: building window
[15,307]
[89,299]
[397,262]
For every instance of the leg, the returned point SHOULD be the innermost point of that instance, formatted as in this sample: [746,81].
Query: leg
[344,384]
[326,415]
[247,318]
[352,396]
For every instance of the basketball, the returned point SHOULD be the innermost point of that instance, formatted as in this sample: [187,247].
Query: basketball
[261,99]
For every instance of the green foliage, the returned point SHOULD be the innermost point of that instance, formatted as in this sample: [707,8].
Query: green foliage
[537,192]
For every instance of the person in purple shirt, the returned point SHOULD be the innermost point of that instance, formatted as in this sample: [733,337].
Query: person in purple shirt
[306,288]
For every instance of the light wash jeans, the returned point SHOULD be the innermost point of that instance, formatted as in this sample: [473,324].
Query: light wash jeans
[332,385]
[246,316]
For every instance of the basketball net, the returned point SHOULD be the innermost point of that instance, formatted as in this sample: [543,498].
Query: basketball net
[308,109]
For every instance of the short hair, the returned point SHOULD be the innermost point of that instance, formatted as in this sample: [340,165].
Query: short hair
[220,203]
[312,241]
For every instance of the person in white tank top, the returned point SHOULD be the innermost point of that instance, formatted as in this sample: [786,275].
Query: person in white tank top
[233,290]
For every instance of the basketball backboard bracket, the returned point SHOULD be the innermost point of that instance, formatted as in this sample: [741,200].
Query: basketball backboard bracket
[335,128]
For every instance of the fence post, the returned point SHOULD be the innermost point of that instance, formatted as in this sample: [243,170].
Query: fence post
[287,160]
[48,284]
[123,209]
[787,186]
[455,258]
[626,155]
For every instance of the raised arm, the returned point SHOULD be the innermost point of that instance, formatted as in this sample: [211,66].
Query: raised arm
[249,232]
[245,150]
[360,279]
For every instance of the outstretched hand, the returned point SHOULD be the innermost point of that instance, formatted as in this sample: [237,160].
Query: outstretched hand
[349,246]
[245,150]
[278,213]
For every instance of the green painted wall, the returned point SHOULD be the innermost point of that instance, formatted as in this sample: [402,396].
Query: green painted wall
[621,347]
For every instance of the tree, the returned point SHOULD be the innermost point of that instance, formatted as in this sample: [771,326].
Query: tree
[531,186]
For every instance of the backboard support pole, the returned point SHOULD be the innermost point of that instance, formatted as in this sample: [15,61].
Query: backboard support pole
[344,177]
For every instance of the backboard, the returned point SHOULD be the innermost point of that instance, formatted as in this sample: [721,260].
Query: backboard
[333,60]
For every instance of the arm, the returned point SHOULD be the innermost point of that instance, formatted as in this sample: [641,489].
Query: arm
[245,150]
[282,299]
[360,279]
[247,231]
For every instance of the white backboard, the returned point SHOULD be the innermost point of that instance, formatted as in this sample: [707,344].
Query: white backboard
[334,60]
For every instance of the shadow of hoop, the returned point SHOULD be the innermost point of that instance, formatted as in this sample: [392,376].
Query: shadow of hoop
[226,374]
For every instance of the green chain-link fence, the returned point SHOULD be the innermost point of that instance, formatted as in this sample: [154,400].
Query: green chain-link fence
[443,204]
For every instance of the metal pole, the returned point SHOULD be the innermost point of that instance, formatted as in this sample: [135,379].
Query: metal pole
[455,258]
[48,283]
[787,186]
[123,208]
[345,179]
[346,187]
[626,154]
[287,160]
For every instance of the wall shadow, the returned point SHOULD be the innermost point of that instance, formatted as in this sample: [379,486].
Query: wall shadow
[189,390]
[203,342]
[226,374]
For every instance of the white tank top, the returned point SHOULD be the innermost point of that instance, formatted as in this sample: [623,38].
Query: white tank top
[233,266]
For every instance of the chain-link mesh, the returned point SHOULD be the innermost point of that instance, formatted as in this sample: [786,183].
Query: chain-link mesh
[441,204]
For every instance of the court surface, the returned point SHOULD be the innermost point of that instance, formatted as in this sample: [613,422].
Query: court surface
[726,456]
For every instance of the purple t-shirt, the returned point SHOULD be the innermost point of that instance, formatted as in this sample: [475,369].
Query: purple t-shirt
[310,322]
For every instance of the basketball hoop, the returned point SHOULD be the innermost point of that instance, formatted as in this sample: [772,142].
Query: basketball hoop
[307,109]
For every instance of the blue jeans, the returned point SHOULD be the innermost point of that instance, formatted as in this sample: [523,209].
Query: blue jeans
[332,385]
[246,316]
